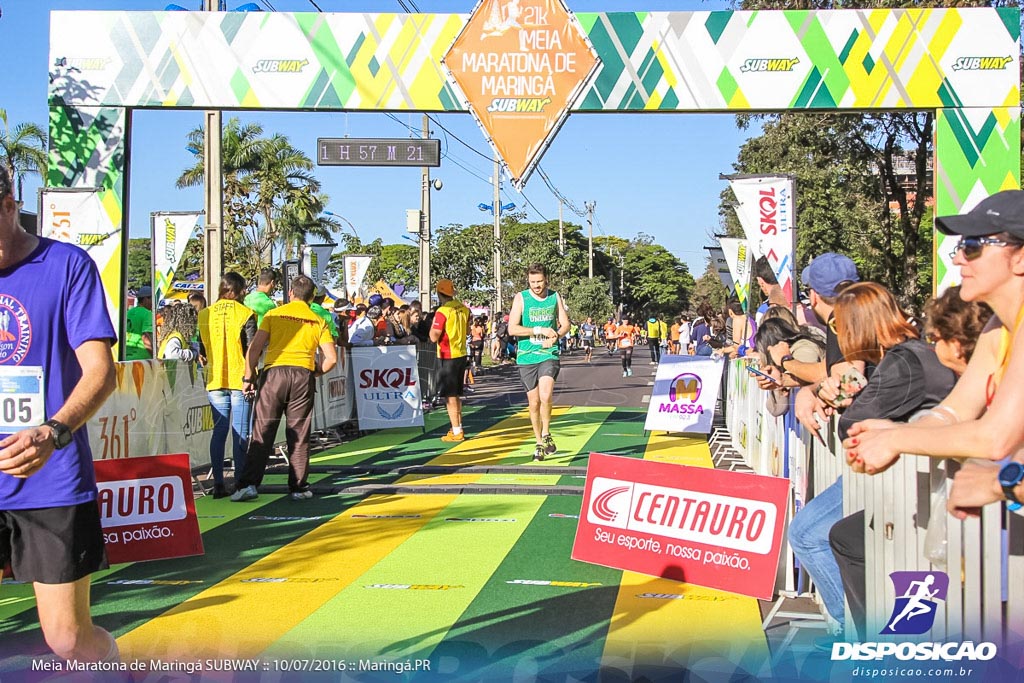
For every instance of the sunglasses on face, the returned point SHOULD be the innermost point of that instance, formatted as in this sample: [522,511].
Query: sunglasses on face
[932,337]
[973,246]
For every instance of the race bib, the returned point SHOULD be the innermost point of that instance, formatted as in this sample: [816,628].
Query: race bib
[21,398]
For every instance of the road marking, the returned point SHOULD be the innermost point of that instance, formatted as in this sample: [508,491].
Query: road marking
[646,399]
[651,383]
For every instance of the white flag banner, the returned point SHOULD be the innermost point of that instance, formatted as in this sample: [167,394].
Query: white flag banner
[171,233]
[737,258]
[684,394]
[355,271]
[751,231]
[315,258]
[721,266]
[387,387]
[768,204]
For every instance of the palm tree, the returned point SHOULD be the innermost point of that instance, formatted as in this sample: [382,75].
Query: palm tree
[23,151]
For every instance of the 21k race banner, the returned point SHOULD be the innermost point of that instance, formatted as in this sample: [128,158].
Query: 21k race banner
[684,395]
[387,385]
[147,508]
[355,271]
[707,527]
[767,211]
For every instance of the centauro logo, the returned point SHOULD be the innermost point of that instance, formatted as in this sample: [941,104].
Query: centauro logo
[518,105]
[981,63]
[279,66]
[91,239]
[752,65]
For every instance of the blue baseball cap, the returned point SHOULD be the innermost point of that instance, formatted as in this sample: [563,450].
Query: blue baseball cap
[827,271]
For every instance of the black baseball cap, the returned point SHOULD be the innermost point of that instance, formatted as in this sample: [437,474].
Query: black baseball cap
[1002,212]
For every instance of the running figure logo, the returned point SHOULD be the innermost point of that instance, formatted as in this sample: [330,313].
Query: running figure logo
[917,596]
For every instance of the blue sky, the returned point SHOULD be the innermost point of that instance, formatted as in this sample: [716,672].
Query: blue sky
[656,174]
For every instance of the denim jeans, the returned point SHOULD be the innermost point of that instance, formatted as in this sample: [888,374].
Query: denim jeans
[808,536]
[229,408]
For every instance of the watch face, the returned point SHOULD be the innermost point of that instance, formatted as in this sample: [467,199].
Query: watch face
[1011,474]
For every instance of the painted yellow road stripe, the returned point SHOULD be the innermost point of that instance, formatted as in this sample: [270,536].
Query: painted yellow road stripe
[243,615]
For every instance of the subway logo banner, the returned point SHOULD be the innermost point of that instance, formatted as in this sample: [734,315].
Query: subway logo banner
[707,527]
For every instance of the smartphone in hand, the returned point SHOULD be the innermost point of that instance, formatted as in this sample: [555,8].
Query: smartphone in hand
[754,371]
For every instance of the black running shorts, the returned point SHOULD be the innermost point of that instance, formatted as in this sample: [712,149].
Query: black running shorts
[52,545]
[450,377]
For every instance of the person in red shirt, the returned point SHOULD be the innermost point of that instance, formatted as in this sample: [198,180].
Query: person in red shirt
[448,331]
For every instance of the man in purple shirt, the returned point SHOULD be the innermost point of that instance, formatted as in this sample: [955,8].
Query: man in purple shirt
[56,369]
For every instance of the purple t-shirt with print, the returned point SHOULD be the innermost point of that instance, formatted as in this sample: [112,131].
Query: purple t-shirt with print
[50,304]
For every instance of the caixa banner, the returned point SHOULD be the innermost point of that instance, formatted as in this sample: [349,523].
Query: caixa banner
[147,508]
[387,387]
[702,526]
[684,394]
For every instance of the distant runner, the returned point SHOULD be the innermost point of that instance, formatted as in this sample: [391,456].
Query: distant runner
[626,335]
[588,334]
[539,319]
[610,335]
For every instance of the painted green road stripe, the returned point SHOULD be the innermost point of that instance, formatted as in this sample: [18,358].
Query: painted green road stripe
[407,601]
[621,433]
[522,623]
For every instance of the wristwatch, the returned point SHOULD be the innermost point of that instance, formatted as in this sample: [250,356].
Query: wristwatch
[1011,474]
[782,361]
[61,434]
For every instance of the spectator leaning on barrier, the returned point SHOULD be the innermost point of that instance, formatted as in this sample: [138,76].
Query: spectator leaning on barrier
[361,330]
[60,357]
[981,417]
[777,338]
[448,331]
[177,327]
[904,376]
[259,299]
[291,335]
[317,306]
[226,330]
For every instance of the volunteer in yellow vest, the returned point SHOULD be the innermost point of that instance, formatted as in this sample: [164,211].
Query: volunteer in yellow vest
[177,326]
[448,331]
[138,338]
[225,331]
[291,335]
[656,333]
[539,319]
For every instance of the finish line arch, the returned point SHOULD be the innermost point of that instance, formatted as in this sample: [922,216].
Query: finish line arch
[962,63]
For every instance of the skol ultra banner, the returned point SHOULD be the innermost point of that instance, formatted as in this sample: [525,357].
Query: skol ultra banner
[769,204]
[147,508]
[684,394]
[387,387]
[315,258]
[707,527]
[737,257]
[78,217]
[521,64]
[171,232]
[355,272]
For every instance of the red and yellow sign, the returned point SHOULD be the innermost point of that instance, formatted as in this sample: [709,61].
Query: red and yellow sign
[521,64]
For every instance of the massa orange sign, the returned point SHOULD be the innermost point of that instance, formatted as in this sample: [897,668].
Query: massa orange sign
[521,65]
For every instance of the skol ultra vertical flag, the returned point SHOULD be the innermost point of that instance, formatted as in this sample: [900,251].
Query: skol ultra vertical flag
[171,233]
[768,212]
[737,257]
[315,258]
[355,271]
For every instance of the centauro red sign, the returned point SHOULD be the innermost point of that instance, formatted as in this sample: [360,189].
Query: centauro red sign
[707,527]
[147,508]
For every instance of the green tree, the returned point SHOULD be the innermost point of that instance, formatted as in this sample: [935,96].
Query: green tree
[709,288]
[589,297]
[655,281]
[23,151]
[396,264]
[140,262]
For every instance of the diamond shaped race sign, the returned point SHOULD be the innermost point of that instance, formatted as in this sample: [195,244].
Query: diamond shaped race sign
[520,64]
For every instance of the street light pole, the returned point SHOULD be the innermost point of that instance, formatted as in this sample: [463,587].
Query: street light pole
[424,280]
[590,237]
[497,235]
[214,200]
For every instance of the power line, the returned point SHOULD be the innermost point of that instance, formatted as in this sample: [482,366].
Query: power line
[464,143]
[315,5]
[558,195]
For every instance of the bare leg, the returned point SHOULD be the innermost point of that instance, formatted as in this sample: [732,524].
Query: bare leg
[455,411]
[533,397]
[67,624]
[546,390]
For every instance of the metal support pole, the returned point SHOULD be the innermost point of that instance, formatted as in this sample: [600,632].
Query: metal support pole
[497,235]
[561,230]
[590,238]
[213,254]
[425,227]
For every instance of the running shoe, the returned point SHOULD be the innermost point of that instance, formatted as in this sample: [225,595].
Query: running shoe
[453,437]
[302,495]
[629,373]
[538,453]
[549,445]
[244,493]
[624,374]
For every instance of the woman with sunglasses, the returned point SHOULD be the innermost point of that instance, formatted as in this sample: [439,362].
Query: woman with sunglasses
[981,416]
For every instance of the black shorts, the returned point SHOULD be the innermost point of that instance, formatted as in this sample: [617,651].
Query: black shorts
[53,545]
[450,376]
[531,374]
[588,343]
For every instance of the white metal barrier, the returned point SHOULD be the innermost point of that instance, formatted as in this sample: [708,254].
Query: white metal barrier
[985,557]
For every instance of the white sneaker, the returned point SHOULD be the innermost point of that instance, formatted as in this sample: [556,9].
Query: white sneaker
[302,495]
[246,493]
[623,373]
[653,363]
